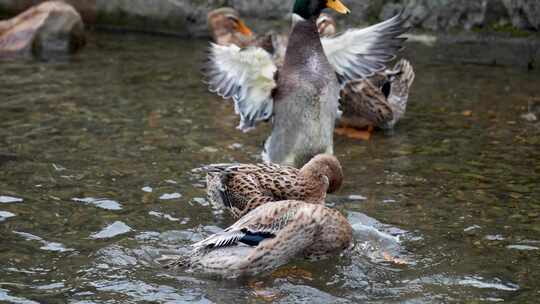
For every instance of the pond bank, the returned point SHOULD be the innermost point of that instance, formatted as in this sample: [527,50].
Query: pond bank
[188,17]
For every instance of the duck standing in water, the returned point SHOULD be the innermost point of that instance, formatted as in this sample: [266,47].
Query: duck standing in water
[379,101]
[268,237]
[241,188]
[302,97]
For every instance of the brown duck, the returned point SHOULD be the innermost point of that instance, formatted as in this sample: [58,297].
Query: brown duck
[268,237]
[241,188]
[227,28]
[379,101]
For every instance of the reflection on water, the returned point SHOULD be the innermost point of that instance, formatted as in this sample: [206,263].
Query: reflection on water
[96,156]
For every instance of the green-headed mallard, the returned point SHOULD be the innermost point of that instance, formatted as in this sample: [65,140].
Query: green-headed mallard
[302,97]
[268,237]
[241,188]
[379,101]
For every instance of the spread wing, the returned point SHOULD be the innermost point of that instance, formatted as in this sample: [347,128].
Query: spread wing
[246,76]
[359,53]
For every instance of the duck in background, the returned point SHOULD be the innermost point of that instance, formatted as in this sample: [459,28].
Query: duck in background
[241,188]
[227,28]
[268,237]
[376,102]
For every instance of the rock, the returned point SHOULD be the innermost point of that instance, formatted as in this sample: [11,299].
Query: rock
[446,15]
[184,18]
[390,9]
[188,17]
[87,8]
[525,14]
[47,29]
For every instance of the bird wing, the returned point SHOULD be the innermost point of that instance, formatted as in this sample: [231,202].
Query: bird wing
[359,53]
[246,76]
[262,223]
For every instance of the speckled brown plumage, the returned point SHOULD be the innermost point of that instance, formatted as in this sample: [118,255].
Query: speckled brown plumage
[379,101]
[268,237]
[242,187]
[223,24]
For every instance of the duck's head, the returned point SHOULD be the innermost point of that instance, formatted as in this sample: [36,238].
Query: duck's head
[326,25]
[311,9]
[227,20]
[326,167]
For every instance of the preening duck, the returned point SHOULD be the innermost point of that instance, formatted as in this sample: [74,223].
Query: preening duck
[241,188]
[302,97]
[268,237]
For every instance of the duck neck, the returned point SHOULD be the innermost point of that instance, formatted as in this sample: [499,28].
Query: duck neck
[304,42]
[314,184]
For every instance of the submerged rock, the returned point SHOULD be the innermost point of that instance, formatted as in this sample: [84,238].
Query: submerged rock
[45,30]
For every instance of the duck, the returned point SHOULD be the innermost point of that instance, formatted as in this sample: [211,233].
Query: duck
[300,98]
[376,102]
[227,28]
[270,236]
[240,188]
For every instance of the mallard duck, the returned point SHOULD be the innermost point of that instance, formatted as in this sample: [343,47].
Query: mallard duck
[241,188]
[227,28]
[302,97]
[268,237]
[379,101]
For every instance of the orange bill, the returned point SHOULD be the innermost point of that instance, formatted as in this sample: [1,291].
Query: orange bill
[242,28]
[338,6]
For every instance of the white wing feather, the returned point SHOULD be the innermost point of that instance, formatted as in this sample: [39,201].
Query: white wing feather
[359,53]
[246,76]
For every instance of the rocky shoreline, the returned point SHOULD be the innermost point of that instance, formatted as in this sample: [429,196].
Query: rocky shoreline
[188,17]
[491,32]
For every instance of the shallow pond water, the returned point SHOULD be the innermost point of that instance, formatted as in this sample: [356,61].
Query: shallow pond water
[96,180]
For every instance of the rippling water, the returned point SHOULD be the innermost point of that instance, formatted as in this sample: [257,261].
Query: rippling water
[96,155]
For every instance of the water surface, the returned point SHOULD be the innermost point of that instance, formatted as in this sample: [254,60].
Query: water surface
[96,154]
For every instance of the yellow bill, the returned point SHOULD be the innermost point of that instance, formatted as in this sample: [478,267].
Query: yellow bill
[338,6]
